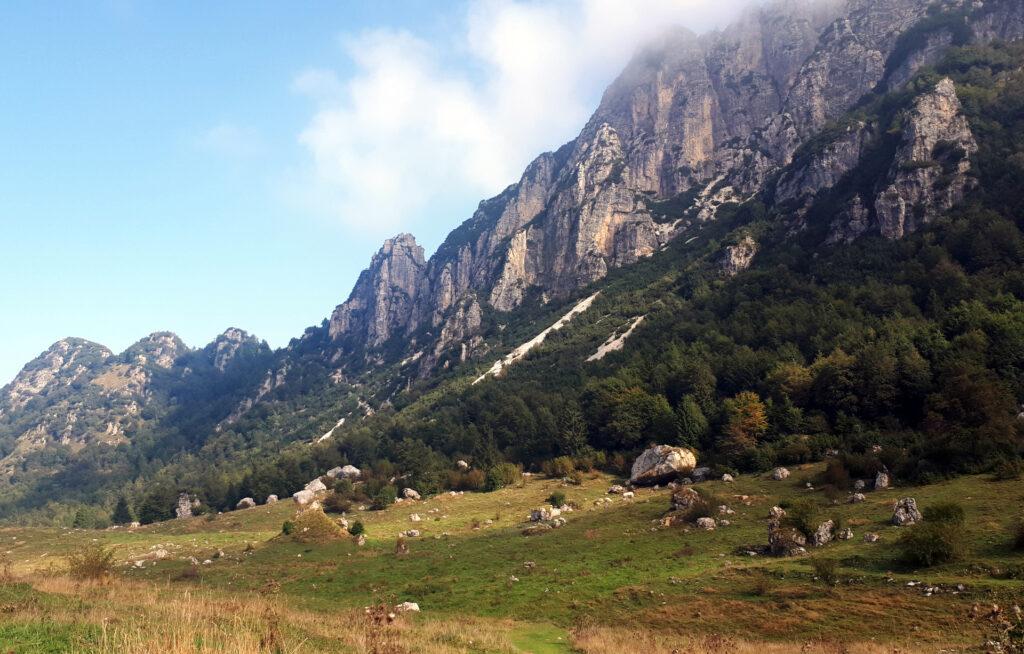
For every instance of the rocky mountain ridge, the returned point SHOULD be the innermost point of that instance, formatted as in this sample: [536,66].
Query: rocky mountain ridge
[694,122]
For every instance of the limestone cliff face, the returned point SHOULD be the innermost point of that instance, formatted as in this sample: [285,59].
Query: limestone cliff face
[929,174]
[710,118]
[62,364]
[384,298]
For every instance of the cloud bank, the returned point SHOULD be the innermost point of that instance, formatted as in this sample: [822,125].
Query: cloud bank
[420,122]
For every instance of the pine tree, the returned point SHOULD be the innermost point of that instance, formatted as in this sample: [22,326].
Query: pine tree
[122,512]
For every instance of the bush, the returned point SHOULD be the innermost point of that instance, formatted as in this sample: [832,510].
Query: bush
[382,495]
[92,562]
[557,498]
[827,570]
[288,527]
[357,528]
[502,475]
[1008,471]
[559,467]
[335,503]
[947,513]
[802,515]
[836,475]
[706,506]
[932,543]
[471,480]
[1018,536]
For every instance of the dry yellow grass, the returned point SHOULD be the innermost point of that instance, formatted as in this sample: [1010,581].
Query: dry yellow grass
[612,640]
[144,618]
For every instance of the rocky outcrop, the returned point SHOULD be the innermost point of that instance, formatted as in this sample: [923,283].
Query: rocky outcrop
[702,121]
[227,346]
[929,173]
[905,512]
[63,363]
[661,463]
[384,298]
[737,258]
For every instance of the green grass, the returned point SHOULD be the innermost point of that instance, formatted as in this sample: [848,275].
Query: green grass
[616,564]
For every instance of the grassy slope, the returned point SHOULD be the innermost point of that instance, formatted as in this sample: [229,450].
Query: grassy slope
[612,565]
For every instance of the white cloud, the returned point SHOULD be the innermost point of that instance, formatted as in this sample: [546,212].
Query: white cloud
[419,122]
[231,141]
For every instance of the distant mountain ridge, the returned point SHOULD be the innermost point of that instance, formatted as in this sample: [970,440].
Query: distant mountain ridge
[813,112]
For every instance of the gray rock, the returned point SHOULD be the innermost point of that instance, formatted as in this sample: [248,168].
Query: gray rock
[410,494]
[882,480]
[271,499]
[245,503]
[316,486]
[779,474]
[304,497]
[905,512]
[823,534]
[845,534]
[705,523]
[870,537]
[856,498]
[661,463]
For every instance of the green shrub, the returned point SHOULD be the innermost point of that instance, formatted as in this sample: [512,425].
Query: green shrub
[836,475]
[335,503]
[502,475]
[802,515]
[827,570]
[557,498]
[932,543]
[559,467]
[948,513]
[381,494]
[357,528]
[288,527]
[92,563]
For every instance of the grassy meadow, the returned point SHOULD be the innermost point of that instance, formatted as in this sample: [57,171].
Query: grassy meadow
[612,579]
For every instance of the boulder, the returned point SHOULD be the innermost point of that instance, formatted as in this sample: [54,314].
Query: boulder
[271,499]
[823,534]
[544,513]
[882,480]
[410,494]
[684,498]
[303,497]
[316,486]
[870,537]
[245,503]
[700,474]
[707,524]
[615,489]
[350,472]
[628,495]
[727,478]
[845,534]
[857,498]
[410,533]
[461,465]
[334,472]
[860,485]
[905,512]
[405,607]
[779,474]
[660,464]
[785,541]
[415,517]
[184,507]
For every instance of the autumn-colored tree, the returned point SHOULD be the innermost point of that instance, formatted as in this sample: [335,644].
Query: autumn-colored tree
[746,422]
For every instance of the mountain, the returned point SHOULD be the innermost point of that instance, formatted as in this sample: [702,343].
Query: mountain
[811,216]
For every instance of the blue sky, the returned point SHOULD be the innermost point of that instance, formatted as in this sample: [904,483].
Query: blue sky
[192,166]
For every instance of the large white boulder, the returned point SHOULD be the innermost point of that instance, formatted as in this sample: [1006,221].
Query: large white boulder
[271,499]
[661,463]
[245,503]
[304,497]
[350,472]
[316,486]
[410,494]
